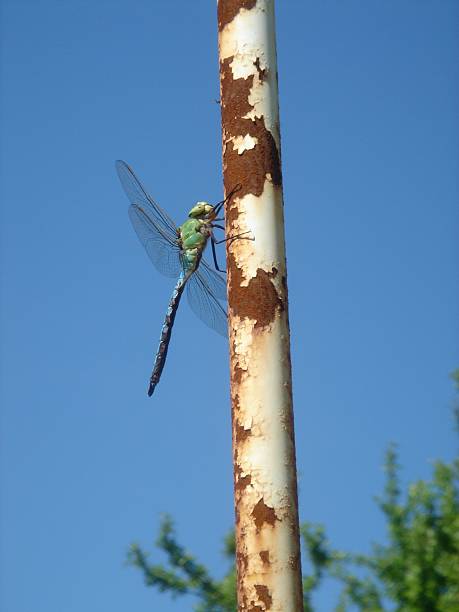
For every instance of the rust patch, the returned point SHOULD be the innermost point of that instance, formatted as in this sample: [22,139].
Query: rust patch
[263,514]
[244,482]
[258,300]
[241,482]
[241,434]
[261,71]
[264,556]
[236,512]
[228,9]
[264,595]
[251,167]
[237,374]
[234,94]
[242,562]
[235,405]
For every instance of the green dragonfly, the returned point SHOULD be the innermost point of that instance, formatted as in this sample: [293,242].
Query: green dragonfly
[177,252]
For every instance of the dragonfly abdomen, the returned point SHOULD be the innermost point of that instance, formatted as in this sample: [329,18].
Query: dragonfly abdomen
[166,332]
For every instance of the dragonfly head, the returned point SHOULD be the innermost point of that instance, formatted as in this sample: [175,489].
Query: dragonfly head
[201,210]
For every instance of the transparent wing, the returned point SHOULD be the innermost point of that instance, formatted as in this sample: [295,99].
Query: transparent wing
[155,229]
[164,255]
[213,279]
[205,304]
[140,198]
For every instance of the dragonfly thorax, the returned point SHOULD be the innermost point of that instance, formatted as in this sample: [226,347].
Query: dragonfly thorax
[201,210]
[193,237]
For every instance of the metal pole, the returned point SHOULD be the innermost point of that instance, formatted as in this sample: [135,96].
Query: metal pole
[266,503]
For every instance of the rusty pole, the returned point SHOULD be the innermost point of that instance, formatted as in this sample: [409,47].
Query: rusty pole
[266,501]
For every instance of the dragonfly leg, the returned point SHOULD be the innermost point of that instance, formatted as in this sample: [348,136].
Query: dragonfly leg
[219,226]
[214,254]
[236,237]
[218,206]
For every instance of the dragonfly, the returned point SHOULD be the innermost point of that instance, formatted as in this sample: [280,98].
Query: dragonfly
[177,252]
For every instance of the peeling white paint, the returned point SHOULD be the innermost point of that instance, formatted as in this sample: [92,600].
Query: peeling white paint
[248,38]
[266,455]
[263,405]
[262,402]
[263,217]
[244,143]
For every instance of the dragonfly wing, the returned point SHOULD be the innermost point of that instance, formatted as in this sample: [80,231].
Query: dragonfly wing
[139,197]
[205,304]
[155,229]
[213,279]
[164,255]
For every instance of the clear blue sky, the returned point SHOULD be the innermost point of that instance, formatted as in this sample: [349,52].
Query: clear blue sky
[369,94]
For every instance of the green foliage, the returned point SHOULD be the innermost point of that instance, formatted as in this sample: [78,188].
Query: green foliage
[417,570]
[320,558]
[184,575]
